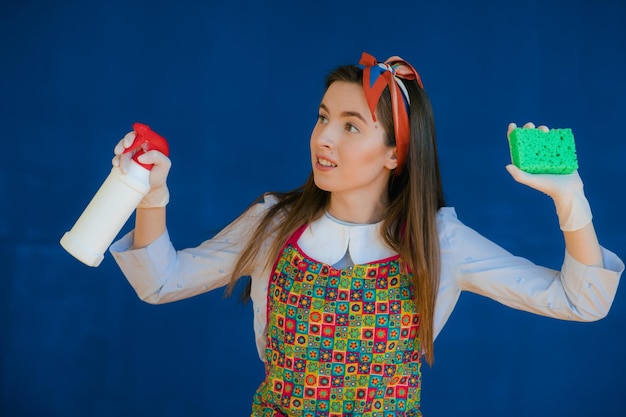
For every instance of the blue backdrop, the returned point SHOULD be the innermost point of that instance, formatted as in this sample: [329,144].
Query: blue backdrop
[234,86]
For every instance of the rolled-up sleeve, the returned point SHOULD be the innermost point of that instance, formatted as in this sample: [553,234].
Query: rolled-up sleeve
[159,273]
[576,292]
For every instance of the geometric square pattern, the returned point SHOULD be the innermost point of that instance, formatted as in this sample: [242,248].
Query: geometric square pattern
[340,342]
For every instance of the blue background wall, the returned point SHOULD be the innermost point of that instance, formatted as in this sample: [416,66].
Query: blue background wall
[235,86]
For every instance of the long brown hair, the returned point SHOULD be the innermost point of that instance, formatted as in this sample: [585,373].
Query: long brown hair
[409,226]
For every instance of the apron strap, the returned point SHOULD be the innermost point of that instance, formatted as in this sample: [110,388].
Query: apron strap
[296,235]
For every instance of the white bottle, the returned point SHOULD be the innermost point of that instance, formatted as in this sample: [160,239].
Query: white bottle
[113,204]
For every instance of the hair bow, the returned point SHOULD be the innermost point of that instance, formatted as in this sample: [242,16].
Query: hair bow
[376,77]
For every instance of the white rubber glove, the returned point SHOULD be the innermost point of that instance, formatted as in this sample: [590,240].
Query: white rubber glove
[566,191]
[159,195]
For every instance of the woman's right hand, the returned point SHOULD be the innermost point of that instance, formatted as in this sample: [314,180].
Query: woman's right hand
[158,196]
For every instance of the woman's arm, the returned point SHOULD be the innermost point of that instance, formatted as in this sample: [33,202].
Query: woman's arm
[583,245]
[156,270]
[571,205]
[474,263]
[159,273]
[149,225]
[150,216]
[582,290]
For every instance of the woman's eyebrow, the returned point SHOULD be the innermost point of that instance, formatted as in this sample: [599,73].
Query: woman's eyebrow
[345,113]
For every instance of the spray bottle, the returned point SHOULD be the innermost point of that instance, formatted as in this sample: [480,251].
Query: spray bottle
[114,202]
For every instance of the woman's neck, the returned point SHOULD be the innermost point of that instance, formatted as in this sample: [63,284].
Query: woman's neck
[356,210]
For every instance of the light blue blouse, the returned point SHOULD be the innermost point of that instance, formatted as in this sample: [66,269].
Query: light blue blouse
[469,262]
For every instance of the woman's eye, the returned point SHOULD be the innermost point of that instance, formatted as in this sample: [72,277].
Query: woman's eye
[322,119]
[351,128]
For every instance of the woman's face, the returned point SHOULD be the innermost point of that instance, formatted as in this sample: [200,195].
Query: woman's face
[348,150]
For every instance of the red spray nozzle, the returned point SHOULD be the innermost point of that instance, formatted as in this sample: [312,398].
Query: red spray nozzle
[146,140]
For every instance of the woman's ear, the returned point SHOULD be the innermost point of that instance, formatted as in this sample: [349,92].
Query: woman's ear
[392,159]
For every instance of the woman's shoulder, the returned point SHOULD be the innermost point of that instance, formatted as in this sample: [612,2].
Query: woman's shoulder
[447,216]
[449,223]
[262,207]
[451,228]
[457,237]
[263,203]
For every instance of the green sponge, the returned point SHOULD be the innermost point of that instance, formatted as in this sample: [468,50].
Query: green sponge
[538,152]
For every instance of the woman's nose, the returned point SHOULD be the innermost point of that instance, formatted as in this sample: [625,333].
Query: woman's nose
[324,137]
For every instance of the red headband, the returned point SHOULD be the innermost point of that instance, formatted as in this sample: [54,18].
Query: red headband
[376,77]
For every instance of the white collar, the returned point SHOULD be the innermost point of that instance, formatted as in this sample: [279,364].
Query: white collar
[328,239]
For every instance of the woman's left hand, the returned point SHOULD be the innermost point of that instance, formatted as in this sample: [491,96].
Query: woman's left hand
[566,190]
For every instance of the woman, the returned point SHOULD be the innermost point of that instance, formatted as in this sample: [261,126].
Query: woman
[354,274]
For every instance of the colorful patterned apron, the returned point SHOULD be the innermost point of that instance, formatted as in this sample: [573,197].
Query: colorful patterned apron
[341,342]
